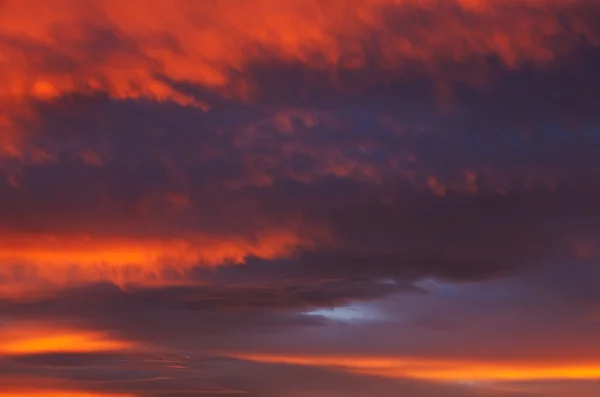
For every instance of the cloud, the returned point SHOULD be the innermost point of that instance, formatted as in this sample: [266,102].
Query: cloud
[178,187]
[186,181]
[220,376]
[138,51]
[95,45]
[28,338]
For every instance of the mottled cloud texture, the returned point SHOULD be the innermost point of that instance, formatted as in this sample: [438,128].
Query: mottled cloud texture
[300,198]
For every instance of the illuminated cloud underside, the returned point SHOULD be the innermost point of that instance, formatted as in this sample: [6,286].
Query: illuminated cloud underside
[41,338]
[445,370]
[38,393]
[54,261]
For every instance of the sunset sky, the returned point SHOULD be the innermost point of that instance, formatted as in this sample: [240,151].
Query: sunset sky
[299,198]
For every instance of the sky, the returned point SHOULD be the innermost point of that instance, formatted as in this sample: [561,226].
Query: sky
[299,198]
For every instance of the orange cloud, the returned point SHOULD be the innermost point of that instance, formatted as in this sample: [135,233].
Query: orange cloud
[130,50]
[41,338]
[29,261]
[444,369]
[33,392]
[203,42]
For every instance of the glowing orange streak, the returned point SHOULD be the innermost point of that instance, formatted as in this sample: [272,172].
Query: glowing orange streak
[41,338]
[40,386]
[39,393]
[60,260]
[443,369]
[89,250]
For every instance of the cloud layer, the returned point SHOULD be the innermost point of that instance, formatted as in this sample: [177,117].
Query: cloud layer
[265,198]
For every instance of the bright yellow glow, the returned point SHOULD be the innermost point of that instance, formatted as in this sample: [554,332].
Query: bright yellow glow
[444,369]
